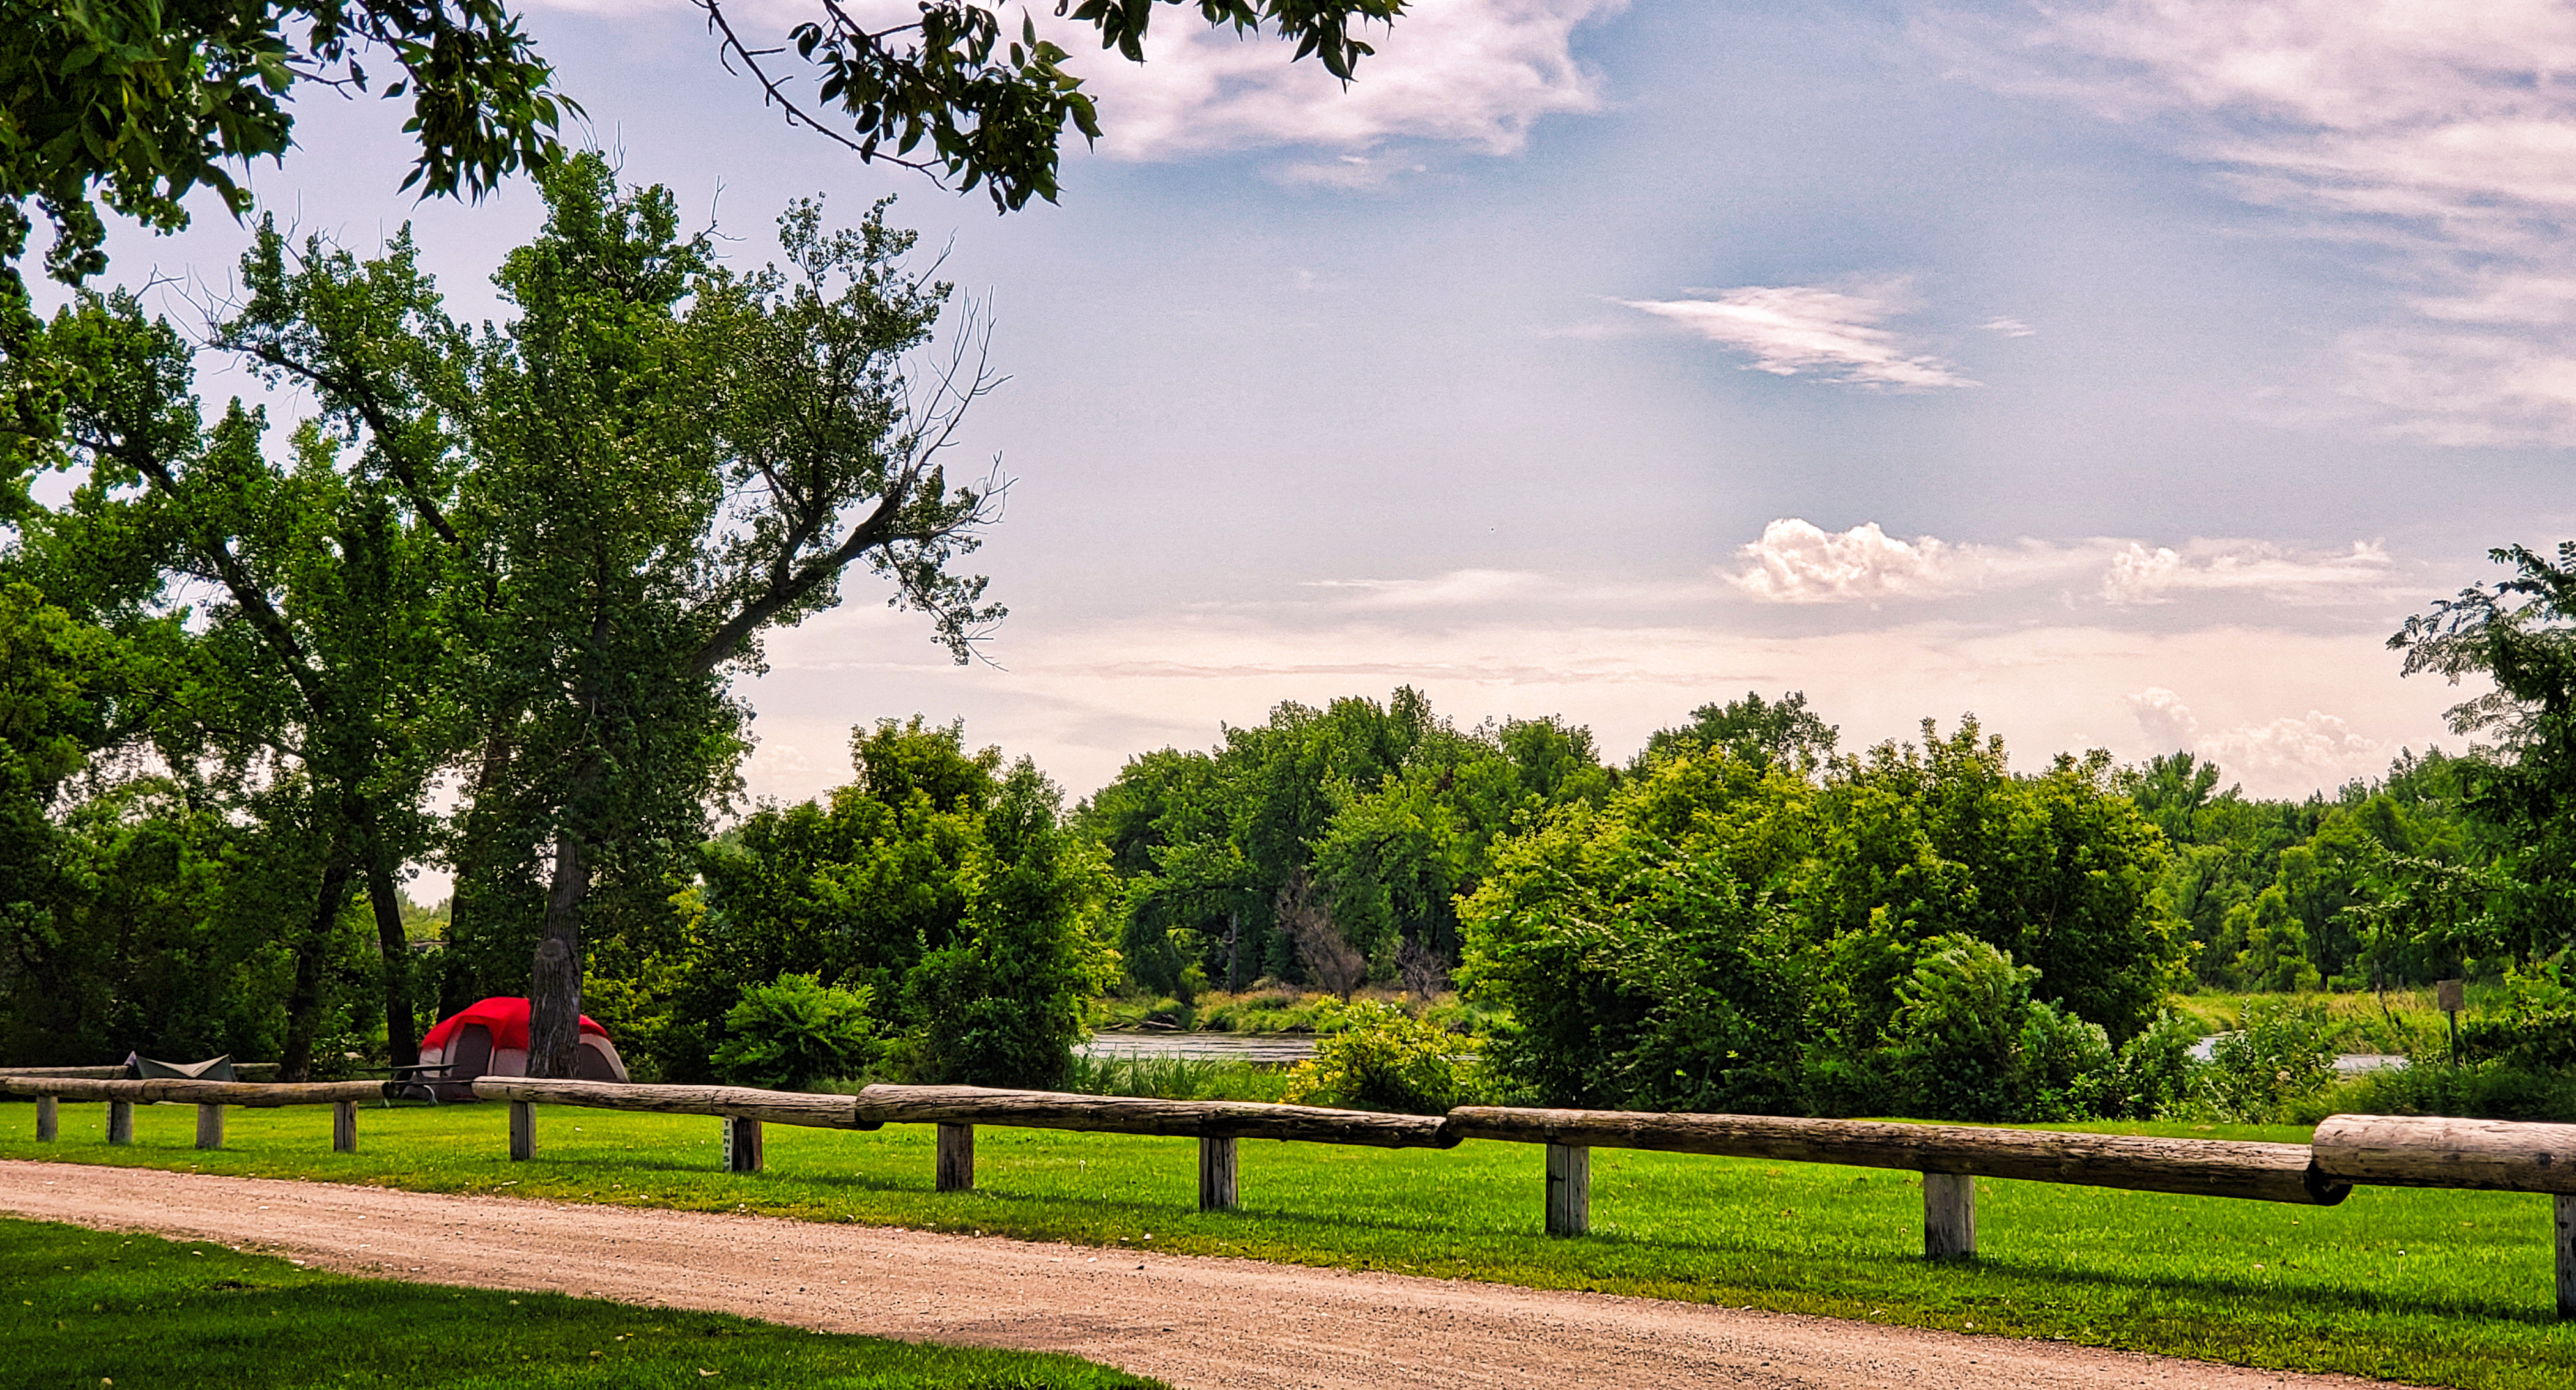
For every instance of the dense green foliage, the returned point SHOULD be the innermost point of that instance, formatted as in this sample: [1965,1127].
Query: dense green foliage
[134,106]
[1384,813]
[2285,895]
[531,560]
[788,1035]
[2467,1304]
[1914,930]
[939,882]
[103,1308]
[1382,1058]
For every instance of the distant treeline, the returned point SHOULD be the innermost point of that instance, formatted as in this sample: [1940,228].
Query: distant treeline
[1382,819]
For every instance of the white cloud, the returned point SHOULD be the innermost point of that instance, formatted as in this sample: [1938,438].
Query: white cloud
[2137,575]
[1797,561]
[2010,328]
[2167,722]
[1790,329]
[1474,72]
[2443,129]
[2313,750]
[1457,588]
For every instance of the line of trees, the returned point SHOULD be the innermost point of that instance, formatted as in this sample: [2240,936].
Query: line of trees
[1743,916]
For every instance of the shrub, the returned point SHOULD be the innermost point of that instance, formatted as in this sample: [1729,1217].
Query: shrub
[2280,1056]
[1386,1059]
[2154,1070]
[2534,1030]
[1969,1043]
[788,1035]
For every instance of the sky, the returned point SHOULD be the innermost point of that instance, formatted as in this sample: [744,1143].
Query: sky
[2120,373]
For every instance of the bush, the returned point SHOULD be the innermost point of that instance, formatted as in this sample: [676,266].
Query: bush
[2280,1058]
[1969,1043]
[788,1035]
[2153,1073]
[1386,1059]
[2534,1030]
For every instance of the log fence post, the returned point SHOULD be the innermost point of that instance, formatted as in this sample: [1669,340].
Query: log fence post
[49,1119]
[956,1158]
[1569,1190]
[742,1145]
[210,1126]
[1216,1174]
[523,1131]
[120,1122]
[344,1126]
[2563,1212]
[1949,1216]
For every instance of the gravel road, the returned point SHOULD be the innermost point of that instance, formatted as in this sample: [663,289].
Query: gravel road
[1188,1320]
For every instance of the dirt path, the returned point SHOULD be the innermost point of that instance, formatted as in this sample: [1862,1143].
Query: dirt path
[1189,1320]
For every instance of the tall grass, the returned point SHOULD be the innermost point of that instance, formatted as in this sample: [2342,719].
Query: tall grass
[1176,1078]
[2395,1022]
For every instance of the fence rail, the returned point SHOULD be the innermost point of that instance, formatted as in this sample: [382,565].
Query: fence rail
[2347,1150]
[2196,1167]
[210,1098]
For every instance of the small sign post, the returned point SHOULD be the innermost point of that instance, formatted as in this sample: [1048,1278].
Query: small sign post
[2450,995]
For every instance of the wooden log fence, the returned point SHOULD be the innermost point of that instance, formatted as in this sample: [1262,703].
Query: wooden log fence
[210,1098]
[248,1071]
[2196,1167]
[2346,1150]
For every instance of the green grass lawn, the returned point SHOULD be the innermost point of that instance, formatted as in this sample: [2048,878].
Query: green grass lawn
[86,1308]
[2450,1288]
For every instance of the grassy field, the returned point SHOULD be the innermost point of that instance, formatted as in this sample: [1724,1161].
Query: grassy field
[2449,1288]
[87,1308]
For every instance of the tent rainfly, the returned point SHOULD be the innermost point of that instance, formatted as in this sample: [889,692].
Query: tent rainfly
[490,1038]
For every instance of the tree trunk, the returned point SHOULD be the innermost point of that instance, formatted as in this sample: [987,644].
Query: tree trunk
[304,1003]
[402,1024]
[1233,930]
[554,987]
[473,914]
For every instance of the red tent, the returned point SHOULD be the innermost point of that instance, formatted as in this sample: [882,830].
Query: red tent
[490,1038]
[505,1018]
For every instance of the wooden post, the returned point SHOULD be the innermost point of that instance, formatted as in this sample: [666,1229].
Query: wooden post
[523,1131]
[1949,1216]
[742,1146]
[344,1126]
[1216,1175]
[210,1126]
[48,1119]
[1569,1190]
[2564,1210]
[956,1158]
[120,1122]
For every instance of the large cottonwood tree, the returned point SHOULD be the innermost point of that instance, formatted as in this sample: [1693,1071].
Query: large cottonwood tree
[657,461]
